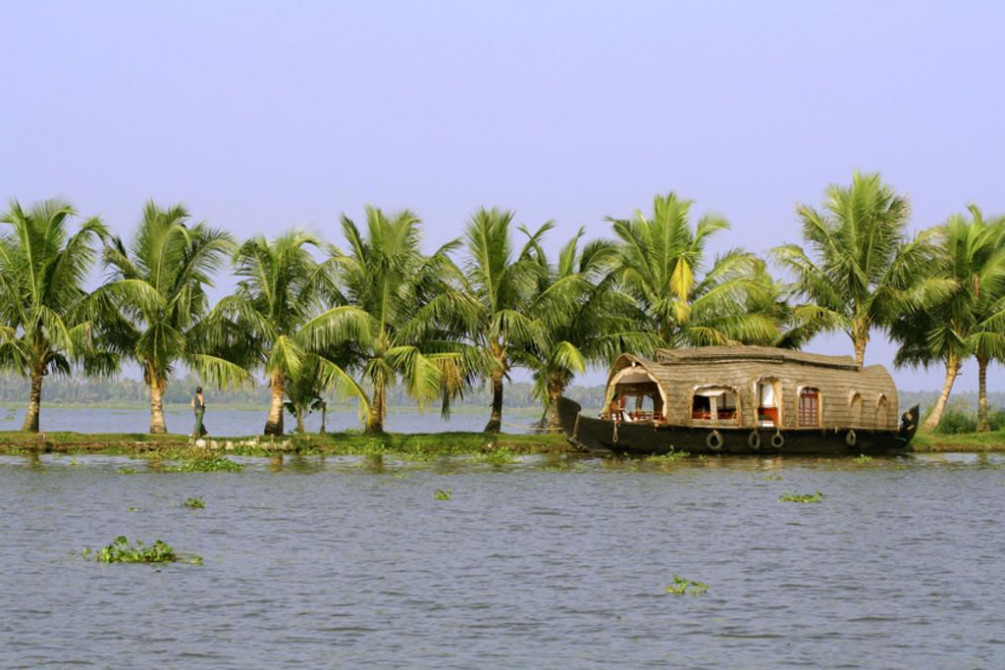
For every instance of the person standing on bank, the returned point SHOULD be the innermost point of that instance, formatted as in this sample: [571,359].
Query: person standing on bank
[199,405]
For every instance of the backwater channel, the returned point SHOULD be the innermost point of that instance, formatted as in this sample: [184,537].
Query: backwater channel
[547,562]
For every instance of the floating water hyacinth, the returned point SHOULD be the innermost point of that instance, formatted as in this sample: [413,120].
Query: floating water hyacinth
[802,497]
[121,551]
[681,586]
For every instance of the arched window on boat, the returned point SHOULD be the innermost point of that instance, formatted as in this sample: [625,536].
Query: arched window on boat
[634,395]
[883,412]
[769,403]
[809,407]
[855,408]
[714,405]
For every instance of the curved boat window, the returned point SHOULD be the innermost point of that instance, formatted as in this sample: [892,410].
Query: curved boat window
[855,405]
[883,411]
[714,405]
[809,407]
[634,396]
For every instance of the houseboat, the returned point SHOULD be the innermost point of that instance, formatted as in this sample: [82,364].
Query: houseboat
[743,400]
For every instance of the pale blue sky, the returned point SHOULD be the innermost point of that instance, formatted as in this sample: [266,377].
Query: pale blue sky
[264,115]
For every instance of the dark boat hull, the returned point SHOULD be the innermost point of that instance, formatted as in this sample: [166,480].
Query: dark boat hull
[603,435]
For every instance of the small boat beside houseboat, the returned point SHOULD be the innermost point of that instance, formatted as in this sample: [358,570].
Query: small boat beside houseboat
[743,400]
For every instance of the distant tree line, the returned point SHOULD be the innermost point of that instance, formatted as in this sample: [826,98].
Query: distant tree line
[379,314]
[109,391]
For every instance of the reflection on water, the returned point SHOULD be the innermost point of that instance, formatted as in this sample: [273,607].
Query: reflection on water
[551,561]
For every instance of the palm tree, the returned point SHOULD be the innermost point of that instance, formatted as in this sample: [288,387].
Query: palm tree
[970,319]
[864,273]
[500,291]
[661,263]
[158,289]
[42,300]
[305,396]
[277,309]
[412,308]
[585,319]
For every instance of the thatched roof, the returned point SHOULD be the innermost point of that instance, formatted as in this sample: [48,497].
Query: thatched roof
[748,354]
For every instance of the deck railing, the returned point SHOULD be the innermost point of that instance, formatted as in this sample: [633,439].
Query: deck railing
[631,416]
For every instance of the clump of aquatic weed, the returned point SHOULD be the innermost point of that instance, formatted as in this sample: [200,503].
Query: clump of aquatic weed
[441,494]
[496,456]
[214,464]
[121,551]
[669,457]
[195,503]
[681,586]
[863,458]
[127,470]
[802,497]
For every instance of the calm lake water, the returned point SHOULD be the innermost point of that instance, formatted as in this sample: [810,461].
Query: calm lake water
[545,563]
[234,422]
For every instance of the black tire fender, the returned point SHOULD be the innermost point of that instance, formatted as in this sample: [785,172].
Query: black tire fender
[754,440]
[714,440]
[850,438]
[778,440]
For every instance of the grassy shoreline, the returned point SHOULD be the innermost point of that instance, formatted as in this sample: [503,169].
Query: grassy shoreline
[354,443]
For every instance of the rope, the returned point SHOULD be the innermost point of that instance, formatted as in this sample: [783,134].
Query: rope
[575,429]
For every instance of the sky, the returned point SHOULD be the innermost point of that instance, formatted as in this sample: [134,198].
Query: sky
[263,116]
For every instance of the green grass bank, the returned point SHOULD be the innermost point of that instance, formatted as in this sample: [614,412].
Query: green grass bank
[415,445]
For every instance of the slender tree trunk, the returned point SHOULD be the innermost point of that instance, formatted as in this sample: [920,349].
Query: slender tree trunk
[983,423]
[555,389]
[495,419]
[34,400]
[324,418]
[375,420]
[952,370]
[300,421]
[860,337]
[157,387]
[274,425]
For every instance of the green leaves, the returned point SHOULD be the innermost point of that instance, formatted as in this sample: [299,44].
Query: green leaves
[860,268]
[660,262]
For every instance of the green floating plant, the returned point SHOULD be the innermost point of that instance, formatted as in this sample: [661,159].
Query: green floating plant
[863,458]
[802,497]
[681,586]
[121,551]
[670,457]
[496,456]
[440,494]
[195,503]
[216,464]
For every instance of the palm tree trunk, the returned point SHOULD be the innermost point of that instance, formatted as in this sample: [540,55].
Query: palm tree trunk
[300,420]
[555,389]
[375,420]
[324,418]
[495,419]
[952,370]
[860,337]
[983,423]
[34,400]
[274,425]
[157,387]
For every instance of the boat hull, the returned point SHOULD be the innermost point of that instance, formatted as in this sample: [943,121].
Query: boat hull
[603,435]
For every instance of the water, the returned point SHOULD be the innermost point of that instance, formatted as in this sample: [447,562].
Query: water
[238,422]
[545,563]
